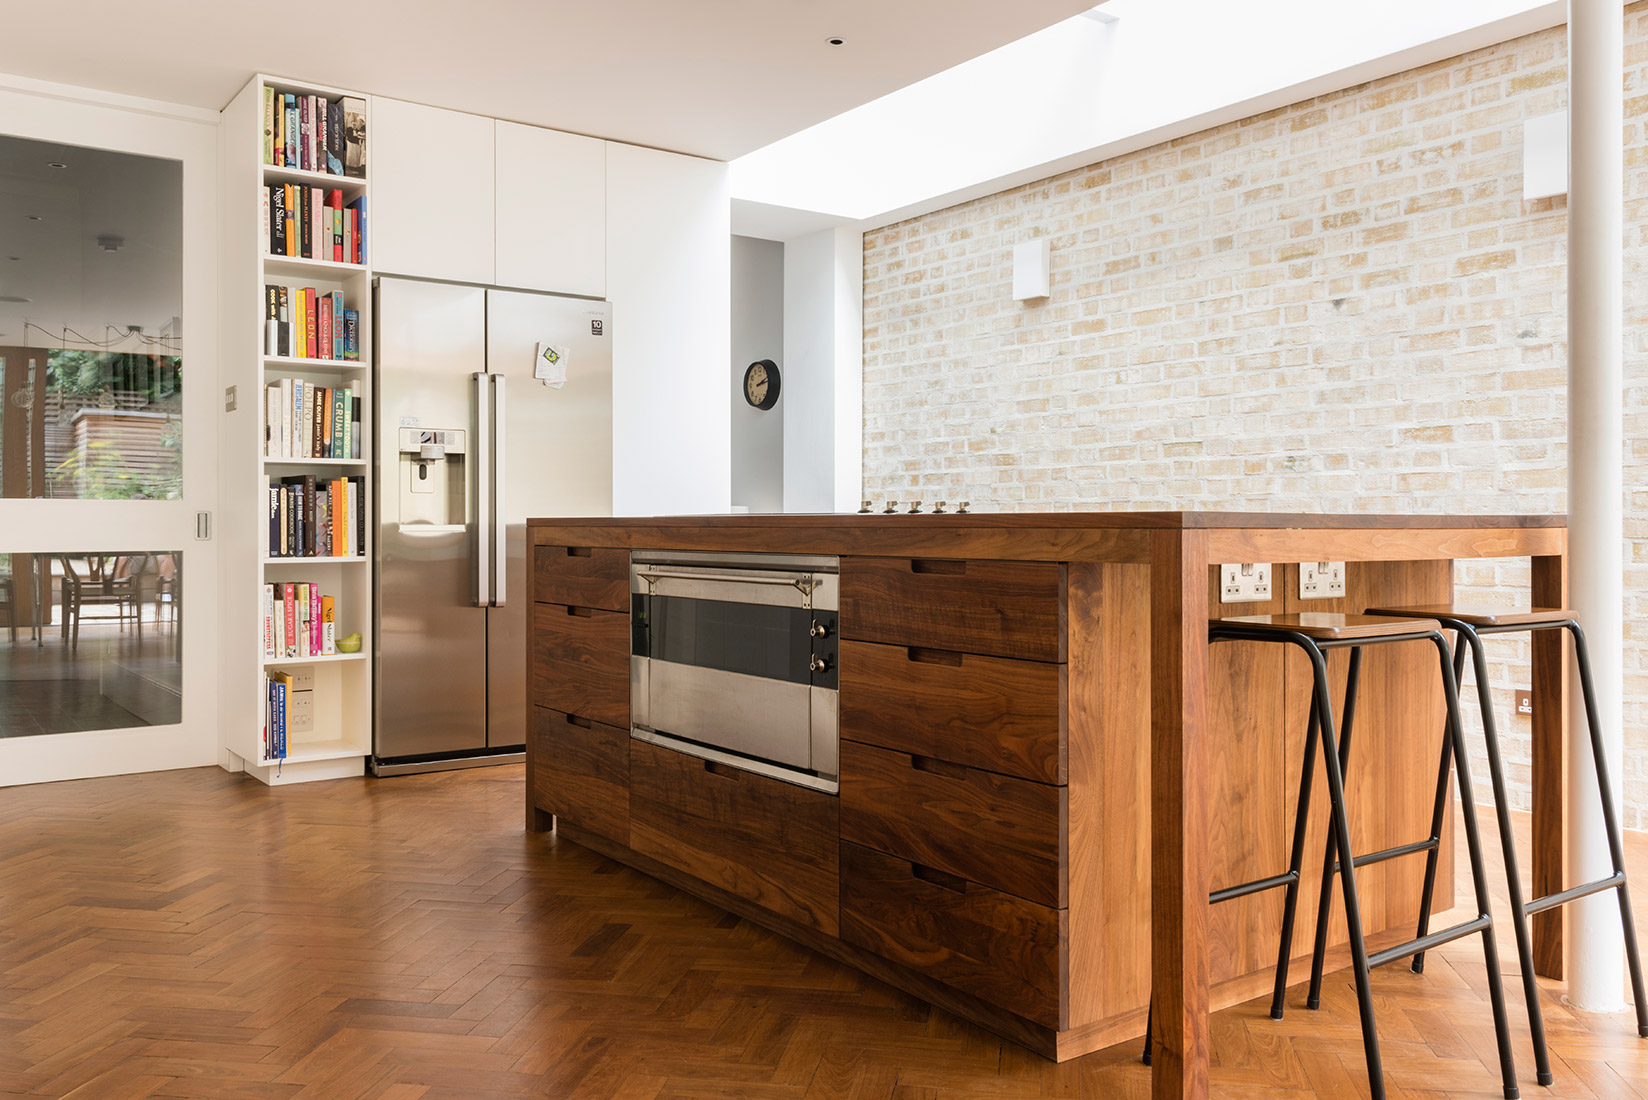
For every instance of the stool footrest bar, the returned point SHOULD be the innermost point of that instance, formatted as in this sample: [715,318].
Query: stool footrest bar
[1425,943]
[1391,853]
[1255,887]
[1551,901]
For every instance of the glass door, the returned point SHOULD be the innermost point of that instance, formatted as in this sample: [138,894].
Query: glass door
[101,485]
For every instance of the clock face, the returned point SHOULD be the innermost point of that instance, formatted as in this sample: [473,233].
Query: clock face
[761,384]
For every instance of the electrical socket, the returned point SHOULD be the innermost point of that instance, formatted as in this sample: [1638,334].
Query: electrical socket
[300,712]
[1321,580]
[1244,582]
[303,677]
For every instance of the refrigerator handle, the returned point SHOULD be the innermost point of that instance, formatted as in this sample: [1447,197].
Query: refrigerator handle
[500,530]
[482,594]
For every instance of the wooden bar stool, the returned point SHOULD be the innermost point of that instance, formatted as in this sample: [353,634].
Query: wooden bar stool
[1469,625]
[1315,633]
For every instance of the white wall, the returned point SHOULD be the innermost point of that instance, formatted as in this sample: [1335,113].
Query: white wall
[823,371]
[757,333]
[669,279]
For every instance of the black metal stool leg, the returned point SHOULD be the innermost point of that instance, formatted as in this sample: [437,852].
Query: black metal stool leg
[1296,864]
[1324,906]
[1340,826]
[1479,874]
[1438,808]
[1507,843]
[1610,821]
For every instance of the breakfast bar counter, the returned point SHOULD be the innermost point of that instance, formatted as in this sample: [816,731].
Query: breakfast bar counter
[1043,767]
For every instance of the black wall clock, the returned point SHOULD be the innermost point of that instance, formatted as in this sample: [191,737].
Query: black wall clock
[761,384]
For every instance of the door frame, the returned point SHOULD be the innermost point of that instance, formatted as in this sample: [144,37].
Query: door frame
[44,111]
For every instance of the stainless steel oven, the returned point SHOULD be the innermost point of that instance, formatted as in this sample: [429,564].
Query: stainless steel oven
[733,658]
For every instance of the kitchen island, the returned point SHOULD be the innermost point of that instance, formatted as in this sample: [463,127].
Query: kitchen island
[1043,768]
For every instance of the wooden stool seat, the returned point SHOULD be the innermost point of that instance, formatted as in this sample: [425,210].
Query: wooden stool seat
[1482,616]
[1330,626]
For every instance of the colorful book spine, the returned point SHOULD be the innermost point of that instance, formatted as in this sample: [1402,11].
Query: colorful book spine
[290,618]
[269,125]
[328,627]
[315,631]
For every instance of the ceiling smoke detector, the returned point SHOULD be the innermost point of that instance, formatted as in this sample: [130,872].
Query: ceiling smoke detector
[111,243]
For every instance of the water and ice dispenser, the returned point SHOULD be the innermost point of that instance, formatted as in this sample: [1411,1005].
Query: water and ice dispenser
[434,486]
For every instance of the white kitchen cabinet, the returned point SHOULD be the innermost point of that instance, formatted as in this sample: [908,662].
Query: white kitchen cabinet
[433,213]
[552,210]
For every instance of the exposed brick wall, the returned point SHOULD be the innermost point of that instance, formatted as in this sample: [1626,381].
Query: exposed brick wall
[1343,305]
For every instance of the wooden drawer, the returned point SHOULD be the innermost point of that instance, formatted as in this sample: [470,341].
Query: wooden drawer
[580,662]
[999,608]
[581,576]
[1000,948]
[771,842]
[999,832]
[986,712]
[580,772]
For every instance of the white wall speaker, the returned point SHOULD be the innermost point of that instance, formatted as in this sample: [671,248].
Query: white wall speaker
[1545,156]
[1032,269]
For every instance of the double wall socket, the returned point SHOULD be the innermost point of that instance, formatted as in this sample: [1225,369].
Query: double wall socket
[1244,582]
[1321,580]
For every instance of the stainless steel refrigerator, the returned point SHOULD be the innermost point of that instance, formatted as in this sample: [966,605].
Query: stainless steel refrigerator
[493,406]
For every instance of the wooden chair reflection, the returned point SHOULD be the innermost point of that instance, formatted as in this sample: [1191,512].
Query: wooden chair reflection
[8,596]
[106,581]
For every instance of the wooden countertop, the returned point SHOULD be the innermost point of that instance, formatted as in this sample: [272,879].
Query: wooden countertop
[1118,536]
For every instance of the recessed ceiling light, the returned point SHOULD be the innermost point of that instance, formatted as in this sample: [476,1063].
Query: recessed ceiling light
[32,217]
[13,298]
[14,258]
[56,164]
[836,40]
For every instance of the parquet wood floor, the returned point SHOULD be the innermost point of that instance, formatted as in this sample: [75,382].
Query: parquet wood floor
[194,934]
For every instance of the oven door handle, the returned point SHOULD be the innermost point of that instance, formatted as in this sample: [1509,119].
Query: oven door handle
[806,584]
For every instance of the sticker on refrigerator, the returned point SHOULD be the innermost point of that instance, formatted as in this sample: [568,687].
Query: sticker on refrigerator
[549,364]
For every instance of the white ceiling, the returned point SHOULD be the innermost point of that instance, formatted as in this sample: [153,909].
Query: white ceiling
[716,78]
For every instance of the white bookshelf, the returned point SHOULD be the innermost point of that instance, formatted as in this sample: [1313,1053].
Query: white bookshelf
[340,736]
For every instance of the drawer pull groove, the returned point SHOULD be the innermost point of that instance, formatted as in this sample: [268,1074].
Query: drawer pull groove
[574,720]
[579,551]
[934,656]
[937,565]
[943,880]
[935,766]
[582,612]
[725,771]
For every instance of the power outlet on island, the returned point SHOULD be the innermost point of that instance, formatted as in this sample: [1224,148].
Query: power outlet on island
[1321,580]
[1244,582]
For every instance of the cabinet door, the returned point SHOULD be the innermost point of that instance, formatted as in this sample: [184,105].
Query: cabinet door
[552,210]
[432,193]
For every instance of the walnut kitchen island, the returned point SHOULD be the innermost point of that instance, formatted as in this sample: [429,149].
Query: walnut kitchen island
[1044,769]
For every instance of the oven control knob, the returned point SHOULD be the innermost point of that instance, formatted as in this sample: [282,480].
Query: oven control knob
[820,630]
[819,664]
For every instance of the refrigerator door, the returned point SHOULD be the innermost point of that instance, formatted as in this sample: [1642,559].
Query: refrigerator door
[554,458]
[431,651]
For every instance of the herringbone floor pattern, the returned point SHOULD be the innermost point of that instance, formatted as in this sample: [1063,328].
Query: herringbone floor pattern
[193,934]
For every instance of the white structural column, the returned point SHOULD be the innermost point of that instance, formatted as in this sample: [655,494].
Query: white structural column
[823,370]
[1596,51]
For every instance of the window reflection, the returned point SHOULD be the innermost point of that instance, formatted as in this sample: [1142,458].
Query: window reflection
[91,288]
[90,641]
